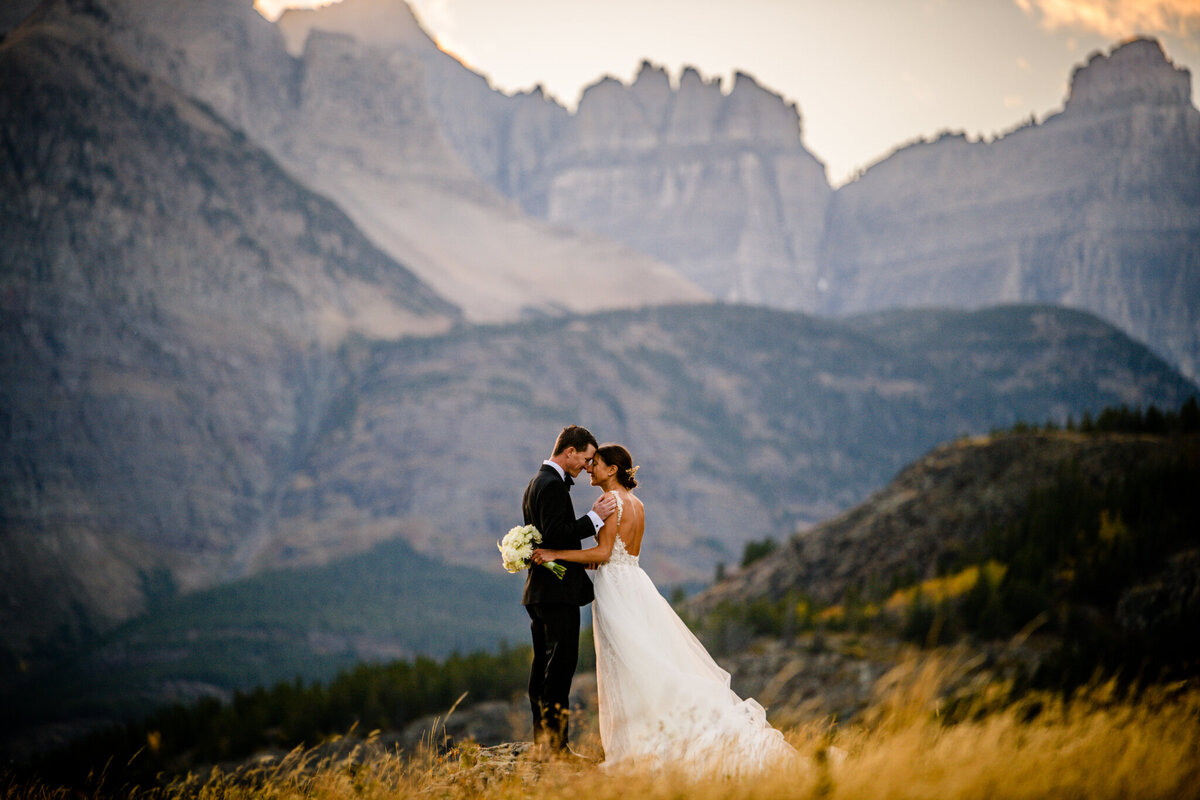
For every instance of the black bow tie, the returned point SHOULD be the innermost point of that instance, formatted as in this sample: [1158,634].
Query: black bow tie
[569,482]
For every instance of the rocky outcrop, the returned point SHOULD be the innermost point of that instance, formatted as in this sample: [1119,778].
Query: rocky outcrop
[470,113]
[1166,609]
[1134,74]
[719,186]
[370,131]
[1097,207]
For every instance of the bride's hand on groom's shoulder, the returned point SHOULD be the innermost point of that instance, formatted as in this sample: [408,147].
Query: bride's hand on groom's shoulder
[605,504]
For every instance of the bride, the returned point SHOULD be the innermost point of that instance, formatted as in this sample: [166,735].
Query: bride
[662,697]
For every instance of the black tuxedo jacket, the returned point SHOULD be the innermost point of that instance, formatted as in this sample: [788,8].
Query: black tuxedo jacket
[547,506]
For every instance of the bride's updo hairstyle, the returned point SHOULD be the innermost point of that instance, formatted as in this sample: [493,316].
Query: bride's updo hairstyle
[617,456]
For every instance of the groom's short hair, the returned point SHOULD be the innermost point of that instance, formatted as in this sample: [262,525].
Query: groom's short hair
[574,436]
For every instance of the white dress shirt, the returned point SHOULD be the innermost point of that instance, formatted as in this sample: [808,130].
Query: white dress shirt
[597,523]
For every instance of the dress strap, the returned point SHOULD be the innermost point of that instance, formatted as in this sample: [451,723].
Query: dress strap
[620,504]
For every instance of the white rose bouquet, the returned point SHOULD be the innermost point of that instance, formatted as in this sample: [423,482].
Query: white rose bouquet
[517,546]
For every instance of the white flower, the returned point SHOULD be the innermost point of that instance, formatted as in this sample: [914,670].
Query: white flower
[517,546]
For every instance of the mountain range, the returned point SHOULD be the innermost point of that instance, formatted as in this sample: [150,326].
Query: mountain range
[1097,206]
[274,295]
[1104,194]
[353,123]
[719,186]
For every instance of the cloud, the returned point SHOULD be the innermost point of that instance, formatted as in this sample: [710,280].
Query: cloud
[1117,18]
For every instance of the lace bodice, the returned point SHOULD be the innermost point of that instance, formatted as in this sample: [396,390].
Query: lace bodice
[619,554]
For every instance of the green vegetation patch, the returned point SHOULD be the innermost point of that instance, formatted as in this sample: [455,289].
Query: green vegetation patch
[304,624]
[1109,566]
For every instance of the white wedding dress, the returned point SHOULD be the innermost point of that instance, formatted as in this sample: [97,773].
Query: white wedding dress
[663,700]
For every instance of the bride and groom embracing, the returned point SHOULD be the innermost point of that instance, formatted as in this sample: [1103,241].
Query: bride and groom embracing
[662,698]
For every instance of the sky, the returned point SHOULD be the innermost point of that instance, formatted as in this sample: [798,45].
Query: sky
[868,76]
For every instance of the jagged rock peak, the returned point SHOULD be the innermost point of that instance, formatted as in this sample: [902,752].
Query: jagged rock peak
[692,80]
[755,112]
[652,91]
[380,23]
[602,99]
[697,110]
[745,85]
[650,73]
[1137,72]
[538,96]
[608,82]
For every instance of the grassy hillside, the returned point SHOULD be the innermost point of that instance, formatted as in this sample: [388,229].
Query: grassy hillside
[1095,745]
[179,738]
[1088,540]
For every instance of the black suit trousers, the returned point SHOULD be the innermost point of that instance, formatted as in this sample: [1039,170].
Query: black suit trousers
[555,629]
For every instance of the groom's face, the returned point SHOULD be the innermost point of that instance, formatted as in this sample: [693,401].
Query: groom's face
[578,460]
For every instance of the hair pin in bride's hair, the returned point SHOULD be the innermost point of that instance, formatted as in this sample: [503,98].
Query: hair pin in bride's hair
[632,471]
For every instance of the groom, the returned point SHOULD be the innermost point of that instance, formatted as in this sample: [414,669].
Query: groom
[553,604]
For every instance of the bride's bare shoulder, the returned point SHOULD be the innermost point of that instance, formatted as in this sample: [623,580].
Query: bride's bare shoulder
[637,503]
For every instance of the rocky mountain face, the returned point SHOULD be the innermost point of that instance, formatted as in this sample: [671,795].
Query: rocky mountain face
[941,505]
[1097,207]
[746,422]
[351,120]
[719,185]
[170,306]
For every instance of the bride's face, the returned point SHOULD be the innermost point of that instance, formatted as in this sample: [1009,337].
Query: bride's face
[601,472]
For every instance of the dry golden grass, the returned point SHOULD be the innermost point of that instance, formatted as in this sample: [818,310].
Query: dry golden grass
[1094,745]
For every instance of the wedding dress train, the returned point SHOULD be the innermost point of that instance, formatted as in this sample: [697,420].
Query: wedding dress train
[662,698]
